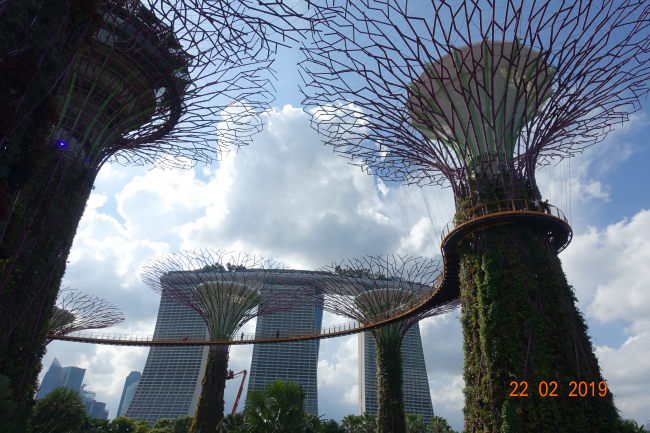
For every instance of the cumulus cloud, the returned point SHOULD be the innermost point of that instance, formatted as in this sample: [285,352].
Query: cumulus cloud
[609,270]
[293,200]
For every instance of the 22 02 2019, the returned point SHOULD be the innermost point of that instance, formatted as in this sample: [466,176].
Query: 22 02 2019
[549,389]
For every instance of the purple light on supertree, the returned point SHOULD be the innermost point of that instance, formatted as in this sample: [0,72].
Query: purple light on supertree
[478,96]
[227,289]
[76,311]
[364,290]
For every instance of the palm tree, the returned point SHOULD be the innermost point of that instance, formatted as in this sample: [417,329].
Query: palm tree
[61,410]
[331,426]
[414,423]
[368,422]
[351,424]
[232,423]
[276,408]
[439,425]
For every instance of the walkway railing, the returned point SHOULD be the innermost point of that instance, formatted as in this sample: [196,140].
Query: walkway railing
[400,313]
[502,207]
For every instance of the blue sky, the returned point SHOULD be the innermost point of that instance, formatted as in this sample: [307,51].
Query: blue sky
[289,197]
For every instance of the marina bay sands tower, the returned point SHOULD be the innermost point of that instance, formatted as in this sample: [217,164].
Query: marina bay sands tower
[171,379]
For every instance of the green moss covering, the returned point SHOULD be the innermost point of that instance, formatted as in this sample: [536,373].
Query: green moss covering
[209,410]
[391,413]
[32,271]
[520,323]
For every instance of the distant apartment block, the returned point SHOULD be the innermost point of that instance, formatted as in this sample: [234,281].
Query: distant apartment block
[417,395]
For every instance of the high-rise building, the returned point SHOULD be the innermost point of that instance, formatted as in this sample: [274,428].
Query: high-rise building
[56,376]
[417,397]
[132,378]
[294,361]
[97,409]
[170,385]
[128,396]
[74,377]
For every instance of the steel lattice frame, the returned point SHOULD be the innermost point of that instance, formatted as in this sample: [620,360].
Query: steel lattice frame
[248,286]
[364,83]
[76,311]
[394,281]
[227,290]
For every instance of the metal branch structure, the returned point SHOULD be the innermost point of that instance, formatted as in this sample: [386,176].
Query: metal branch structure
[478,96]
[227,290]
[75,311]
[365,289]
[168,86]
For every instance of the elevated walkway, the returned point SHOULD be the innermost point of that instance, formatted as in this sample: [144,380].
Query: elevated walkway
[443,296]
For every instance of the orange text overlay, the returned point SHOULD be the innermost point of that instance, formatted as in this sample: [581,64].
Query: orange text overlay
[549,389]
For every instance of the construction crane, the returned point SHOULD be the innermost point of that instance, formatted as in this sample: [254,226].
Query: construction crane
[232,375]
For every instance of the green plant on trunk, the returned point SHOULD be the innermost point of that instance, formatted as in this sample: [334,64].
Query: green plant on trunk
[391,412]
[520,324]
[209,410]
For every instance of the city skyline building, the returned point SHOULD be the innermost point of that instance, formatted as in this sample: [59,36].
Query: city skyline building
[74,377]
[130,384]
[294,361]
[56,376]
[417,395]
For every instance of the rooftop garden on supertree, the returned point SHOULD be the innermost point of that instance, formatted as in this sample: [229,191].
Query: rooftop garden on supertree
[227,290]
[478,97]
[363,290]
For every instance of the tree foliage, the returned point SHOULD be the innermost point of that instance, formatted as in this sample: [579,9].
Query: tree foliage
[61,410]
[279,407]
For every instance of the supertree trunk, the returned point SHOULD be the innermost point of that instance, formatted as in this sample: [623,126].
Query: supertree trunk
[391,415]
[209,410]
[27,297]
[520,324]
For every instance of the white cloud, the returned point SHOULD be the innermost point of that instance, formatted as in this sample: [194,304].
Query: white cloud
[609,270]
[292,199]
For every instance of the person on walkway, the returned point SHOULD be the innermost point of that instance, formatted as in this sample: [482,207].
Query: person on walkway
[277,334]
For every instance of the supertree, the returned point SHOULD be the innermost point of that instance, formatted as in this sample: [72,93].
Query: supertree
[145,89]
[477,96]
[39,40]
[227,290]
[76,311]
[364,289]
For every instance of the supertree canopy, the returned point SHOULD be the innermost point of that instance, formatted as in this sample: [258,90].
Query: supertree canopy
[75,311]
[363,289]
[477,96]
[227,290]
[146,88]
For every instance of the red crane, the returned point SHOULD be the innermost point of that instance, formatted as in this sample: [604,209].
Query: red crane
[232,375]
